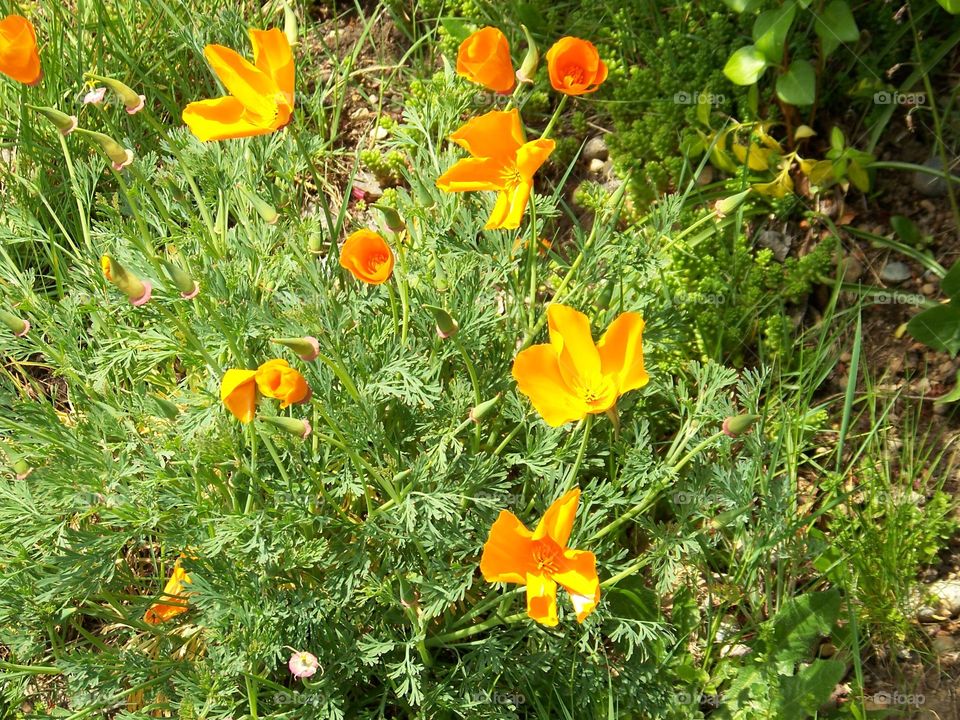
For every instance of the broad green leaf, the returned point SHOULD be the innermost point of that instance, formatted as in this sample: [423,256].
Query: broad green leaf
[742,6]
[800,621]
[770,31]
[938,327]
[906,230]
[951,6]
[950,284]
[835,26]
[837,141]
[858,176]
[953,395]
[801,695]
[703,108]
[798,85]
[745,66]
[457,28]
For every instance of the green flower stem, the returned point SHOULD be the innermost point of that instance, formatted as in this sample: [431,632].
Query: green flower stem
[477,397]
[696,450]
[450,637]
[487,604]
[404,295]
[251,695]
[75,186]
[554,117]
[254,473]
[532,263]
[30,669]
[506,441]
[336,364]
[268,443]
[393,308]
[624,574]
[572,477]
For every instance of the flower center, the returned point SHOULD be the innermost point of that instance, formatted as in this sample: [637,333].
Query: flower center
[510,176]
[573,74]
[546,556]
[597,391]
[374,262]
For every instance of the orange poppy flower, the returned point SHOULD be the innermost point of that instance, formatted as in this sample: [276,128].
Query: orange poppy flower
[162,611]
[502,161]
[368,257]
[238,392]
[261,94]
[484,58]
[570,377]
[276,379]
[575,66]
[541,560]
[19,57]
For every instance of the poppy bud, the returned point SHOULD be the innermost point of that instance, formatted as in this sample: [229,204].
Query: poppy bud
[300,428]
[424,198]
[391,217]
[22,469]
[264,209]
[727,205]
[530,61]
[290,28]
[315,244]
[168,409]
[137,290]
[736,425]
[187,286]
[307,347]
[118,154]
[66,124]
[447,326]
[133,102]
[484,409]
[18,326]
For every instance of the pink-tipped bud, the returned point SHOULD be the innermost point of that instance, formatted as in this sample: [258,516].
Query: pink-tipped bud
[484,409]
[137,291]
[294,426]
[736,425]
[64,123]
[307,347]
[447,326]
[119,156]
[132,101]
[183,281]
[17,325]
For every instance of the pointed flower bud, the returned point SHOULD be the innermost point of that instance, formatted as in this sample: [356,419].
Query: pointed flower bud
[727,205]
[290,28]
[736,425]
[18,326]
[264,209]
[185,283]
[294,426]
[315,244]
[138,291]
[133,102]
[485,409]
[169,410]
[391,217]
[118,154]
[447,326]
[66,124]
[22,469]
[530,61]
[308,347]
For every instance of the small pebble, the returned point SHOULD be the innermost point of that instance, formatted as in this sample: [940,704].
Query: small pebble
[595,149]
[895,272]
[776,242]
[930,185]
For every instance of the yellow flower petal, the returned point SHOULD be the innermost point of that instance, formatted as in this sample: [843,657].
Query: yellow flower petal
[238,391]
[578,576]
[251,86]
[496,134]
[222,119]
[542,599]
[621,352]
[570,337]
[471,174]
[272,55]
[538,376]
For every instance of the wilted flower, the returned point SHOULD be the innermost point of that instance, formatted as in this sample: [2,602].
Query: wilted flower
[484,58]
[261,94]
[541,560]
[571,377]
[530,61]
[138,291]
[19,57]
[303,664]
[95,96]
[502,161]
[174,590]
[368,257]
[575,66]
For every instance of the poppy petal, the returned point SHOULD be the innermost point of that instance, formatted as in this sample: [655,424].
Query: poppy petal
[542,599]
[472,174]
[578,573]
[572,341]
[19,58]
[272,55]
[532,155]
[238,391]
[506,554]
[497,134]
[251,86]
[221,119]
[621,352]
[557,521]
[173,590]
[509,208]
[538,376]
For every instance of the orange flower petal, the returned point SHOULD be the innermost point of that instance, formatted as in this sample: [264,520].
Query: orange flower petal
[19,57]
[238,391]
[621,352]
[509,208]
[577,354]
[471,174]
[496,134]
[575,67]
[484,58]
[532,155]
[368,257]
[557,521]
[542,599]
[256,90]
[578,576]
[161,611]
[272,55]
[222,119]
[538,376]
[506,554]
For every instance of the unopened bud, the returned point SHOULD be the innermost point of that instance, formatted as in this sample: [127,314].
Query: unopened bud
[133,102]
[736,425]
[118,154]
[727,205]
[307,347]
[264,209]
[137,291]
[391,217]
[315,243]
[424,198]
[447,326]
[22,469]
[294,426]
[485,409]
[18,326]
[168,409]
[66,124]
[530,61]
[290,28]
[185,283]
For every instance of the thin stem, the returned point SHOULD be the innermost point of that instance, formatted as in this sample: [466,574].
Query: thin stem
[554,118]
[572,477]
